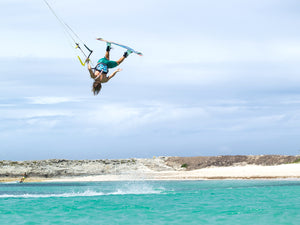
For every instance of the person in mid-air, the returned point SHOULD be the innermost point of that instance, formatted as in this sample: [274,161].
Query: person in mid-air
[100,73]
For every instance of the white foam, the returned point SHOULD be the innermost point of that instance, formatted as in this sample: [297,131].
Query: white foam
[11,182]
[63,195]
[131,189]
[137,189]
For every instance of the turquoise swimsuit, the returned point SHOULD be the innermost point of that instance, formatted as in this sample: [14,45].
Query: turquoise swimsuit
[104,64]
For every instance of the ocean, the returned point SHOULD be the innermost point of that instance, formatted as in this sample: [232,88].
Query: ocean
[152,202]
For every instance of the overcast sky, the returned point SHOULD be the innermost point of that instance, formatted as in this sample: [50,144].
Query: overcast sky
[217,77]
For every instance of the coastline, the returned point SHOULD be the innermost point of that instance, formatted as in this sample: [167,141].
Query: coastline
[160,168]
[286,171]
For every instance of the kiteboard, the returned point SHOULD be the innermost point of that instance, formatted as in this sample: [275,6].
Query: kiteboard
[122,46]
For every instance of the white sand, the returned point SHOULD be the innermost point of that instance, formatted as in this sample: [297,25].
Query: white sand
[234,172]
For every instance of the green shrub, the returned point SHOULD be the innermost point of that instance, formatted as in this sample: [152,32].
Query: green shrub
[297,161]
[184,165]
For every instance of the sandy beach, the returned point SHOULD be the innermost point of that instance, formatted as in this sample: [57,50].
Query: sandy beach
[289,171]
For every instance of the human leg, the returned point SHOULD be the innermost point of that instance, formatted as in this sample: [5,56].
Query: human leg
[127,53]
[108,47]
[120,60]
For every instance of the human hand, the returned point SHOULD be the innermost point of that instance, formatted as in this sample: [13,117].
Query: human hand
[119,70]
[89,65]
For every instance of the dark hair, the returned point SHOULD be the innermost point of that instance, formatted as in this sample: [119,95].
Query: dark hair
[96,87]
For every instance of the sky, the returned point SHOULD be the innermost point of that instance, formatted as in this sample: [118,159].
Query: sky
[217,78]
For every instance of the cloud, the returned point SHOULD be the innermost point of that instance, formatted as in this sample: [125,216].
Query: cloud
[220,71]
[51,100]
[146,117]
[206,31]
[22,117]
[7,105]
[150,117]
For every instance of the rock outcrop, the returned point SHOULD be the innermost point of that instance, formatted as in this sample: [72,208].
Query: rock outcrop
[199,162]
[66,168]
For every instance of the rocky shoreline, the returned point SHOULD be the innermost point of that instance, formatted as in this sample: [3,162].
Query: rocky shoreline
[61,168]
[200,162]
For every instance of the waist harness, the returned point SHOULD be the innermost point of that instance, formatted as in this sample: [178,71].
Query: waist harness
[102,67]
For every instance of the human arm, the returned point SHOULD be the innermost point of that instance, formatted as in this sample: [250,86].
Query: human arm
[91,71]
[114,73]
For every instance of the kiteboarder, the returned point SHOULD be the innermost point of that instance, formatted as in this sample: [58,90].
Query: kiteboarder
[100,72]
[24,177]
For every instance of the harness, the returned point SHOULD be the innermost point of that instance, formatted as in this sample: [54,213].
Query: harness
[102,68]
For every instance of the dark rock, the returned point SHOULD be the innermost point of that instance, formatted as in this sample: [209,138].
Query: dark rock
[200,162]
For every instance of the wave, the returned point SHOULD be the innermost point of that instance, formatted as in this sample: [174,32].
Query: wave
[62,195]
[11,182]
[88,193]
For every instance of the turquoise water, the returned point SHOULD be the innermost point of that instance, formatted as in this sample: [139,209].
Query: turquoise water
[152,202]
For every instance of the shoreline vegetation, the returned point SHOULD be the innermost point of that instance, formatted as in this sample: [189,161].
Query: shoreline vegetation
[156,168]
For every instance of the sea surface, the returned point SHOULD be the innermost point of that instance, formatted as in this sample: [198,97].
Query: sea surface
[152,202]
